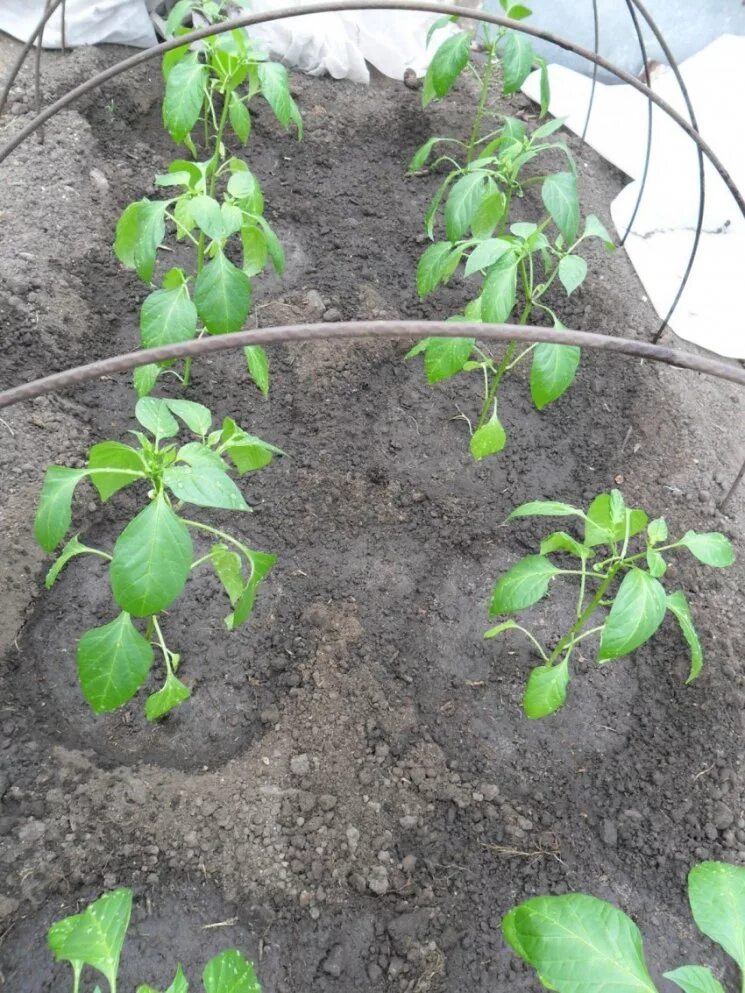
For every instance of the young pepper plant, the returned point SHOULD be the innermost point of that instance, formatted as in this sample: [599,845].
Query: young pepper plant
[154,554]
[220,200]
[516,261]
[95,939]
[579,944]
[610,572]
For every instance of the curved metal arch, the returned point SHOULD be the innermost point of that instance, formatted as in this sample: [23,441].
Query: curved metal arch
[28,45]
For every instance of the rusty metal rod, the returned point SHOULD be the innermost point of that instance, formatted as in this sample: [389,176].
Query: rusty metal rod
[28,45]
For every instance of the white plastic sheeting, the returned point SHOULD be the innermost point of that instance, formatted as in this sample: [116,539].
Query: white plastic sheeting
[660,241]
[123,22]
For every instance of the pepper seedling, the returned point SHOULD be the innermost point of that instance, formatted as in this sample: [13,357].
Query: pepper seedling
[154,554]
[220,203]
[610,574]
[95,939]
[517,262]
[579,944]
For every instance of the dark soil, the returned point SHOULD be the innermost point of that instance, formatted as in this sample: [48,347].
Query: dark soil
[421,805]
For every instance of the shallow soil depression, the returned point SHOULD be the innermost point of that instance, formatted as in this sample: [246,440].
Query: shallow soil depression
[352,793]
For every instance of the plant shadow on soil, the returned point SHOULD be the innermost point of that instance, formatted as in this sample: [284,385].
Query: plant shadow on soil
[421,805]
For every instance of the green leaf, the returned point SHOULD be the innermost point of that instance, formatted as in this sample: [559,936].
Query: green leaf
[489,439]
[275,88]
[548,128]
[229,972]
[441,22]
[578,944]
[545,87]
[276,252]
[522,585]
[96,936]
[545,508]
[152,559]
[694,979]
[560,541]
[519,12]
[206,213]
[678,605]
[146,377]
[546,690]
[113,663]
[245,187]
[594,228]
[572,272]
[488,214]
[240,119]
[182,103]
[444,357]
[517,61]
[552,371]
[177,15]
[140,231]
[167,316]
[179,984]
[109,456]
[559,192]
[257,362]
[127,229]
[600,529]
[501,628]
[431,267]
[716,892]
[167,698]
[462,203]
[710,547]
[655,563]
[196,453]
[255,249]
[154,415]
[500,290]
[222,294]
[486,254]
[54,513]
[638,610]
[448,62]
[246,451]
[195,416]
[204,487]
[227,565]
[657,531]
[261,564]
[419,159]
[71,549]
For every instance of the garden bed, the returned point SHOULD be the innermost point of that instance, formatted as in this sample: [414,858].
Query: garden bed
[352,792]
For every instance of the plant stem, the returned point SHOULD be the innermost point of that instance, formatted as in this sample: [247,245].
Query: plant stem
[163,648]
[486,79]
[219,534]
[491,395]
[590,609]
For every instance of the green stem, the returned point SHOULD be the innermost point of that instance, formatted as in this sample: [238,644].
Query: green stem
[491,395]
[163,648]
[589,610]
[587,634]
[486,79]
[219,534]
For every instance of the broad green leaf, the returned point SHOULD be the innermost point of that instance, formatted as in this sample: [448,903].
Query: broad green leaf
[599,528]
[500,289]
[548,128]
[255,249]
[560,541]
[127,234]
[710,547]
[222,295]
[546,690]
[519,12]
[559,192]
[572,272]
[96,936]
[422,153]
[517,61]
[678,605]
[167,698]
[655,564]
[448,62]
[273,244]
[246,451]
[204,487]
[240,118]
[245,187]
[54,513]
[716,892]
[182,103]
[206,213]
[441,22]
[638,610]
[167,316]
[545,508]
[154,415]
[444,357]
[462,203]
[489,439]
[486,254]
[177,15]
[552,371]
[522,585]
[594,228]
[113,663]
[694,979]
[227,565]
[151,230]
[261,564]
[275,88]
[118,465]
[657,531]
[578,944]
[145,378]
[71,549]
[196,453]
[257,362]
[511,936]
[431,267]
[195,416]
[152,559]
[488,214]
[229,972]
[179,984]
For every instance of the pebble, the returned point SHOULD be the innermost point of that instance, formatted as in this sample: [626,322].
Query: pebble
[409,822]
[327,802]
[332,314]
[353,838]
[269,715]
[300,765]
[333,964]
[377,881]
